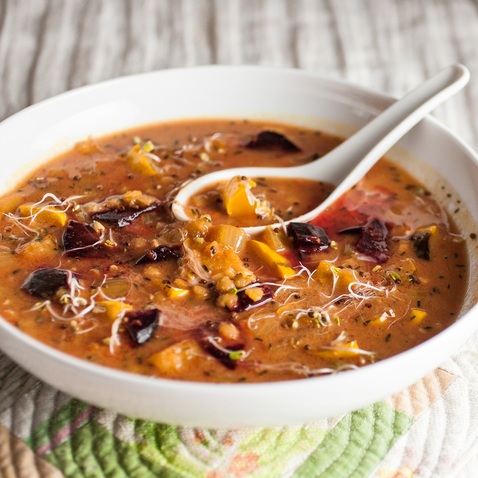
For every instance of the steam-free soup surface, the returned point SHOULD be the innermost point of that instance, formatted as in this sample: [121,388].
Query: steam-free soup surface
[93,263]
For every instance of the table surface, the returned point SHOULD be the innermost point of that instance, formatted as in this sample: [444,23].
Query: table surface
[50,46]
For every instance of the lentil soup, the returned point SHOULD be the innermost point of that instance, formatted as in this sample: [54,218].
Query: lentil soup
[94,265]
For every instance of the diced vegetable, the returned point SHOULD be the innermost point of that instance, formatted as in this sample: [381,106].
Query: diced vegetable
[141,324]
[327,273]
[308,238]
[418,315]
[340,350]
[46,214]
[137,199]
[277,263]
[81,239]
[227,356]
[10,203]
[159,254]
[421,241]
[45,282]
[113,308]
[251,297]
[238,198]
[176,292]
[275,238]
[116,287]
[122,217]
[225,346]
[37,252]
[139,161]
[373,241]
[228,235]
[199,227]
[270,140]
[176,357]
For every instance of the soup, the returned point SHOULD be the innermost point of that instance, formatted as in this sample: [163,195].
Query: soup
[94,264]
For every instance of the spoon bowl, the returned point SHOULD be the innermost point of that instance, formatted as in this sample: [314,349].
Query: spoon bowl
[345,165]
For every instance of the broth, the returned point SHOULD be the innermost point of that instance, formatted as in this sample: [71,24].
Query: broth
[94,265]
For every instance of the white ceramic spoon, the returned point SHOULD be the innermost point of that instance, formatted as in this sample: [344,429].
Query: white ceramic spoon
[345,165]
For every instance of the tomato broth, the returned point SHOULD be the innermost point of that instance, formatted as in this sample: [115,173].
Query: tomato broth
[94,264]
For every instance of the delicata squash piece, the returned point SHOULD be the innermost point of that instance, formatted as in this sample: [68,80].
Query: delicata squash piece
[337,277]
[141,160]
[239,200]
[175,358]
[46,214]
[112,308]
[9,204]
[37,252]
[340,350]
[274,261]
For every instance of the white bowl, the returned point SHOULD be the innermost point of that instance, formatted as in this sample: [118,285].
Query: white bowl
[291,96]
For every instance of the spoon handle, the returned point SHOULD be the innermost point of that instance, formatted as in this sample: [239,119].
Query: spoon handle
[359,153]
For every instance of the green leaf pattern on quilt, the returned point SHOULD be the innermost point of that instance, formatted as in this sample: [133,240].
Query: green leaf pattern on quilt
[85,442]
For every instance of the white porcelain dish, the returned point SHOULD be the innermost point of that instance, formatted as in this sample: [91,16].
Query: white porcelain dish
[430,151]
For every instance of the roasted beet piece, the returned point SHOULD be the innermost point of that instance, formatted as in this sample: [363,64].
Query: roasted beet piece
[80,239]
[351,230]
[45,282]
[270,140]
[421,244]
[122,217]
[210,341]
[141,324]
[159,254]
[373,242]
[244,302]
[308,238]
[223,356]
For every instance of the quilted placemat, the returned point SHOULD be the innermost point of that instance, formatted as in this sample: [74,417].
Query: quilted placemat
[45,433]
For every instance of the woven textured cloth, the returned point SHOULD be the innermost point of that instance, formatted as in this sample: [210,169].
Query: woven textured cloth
[429,430]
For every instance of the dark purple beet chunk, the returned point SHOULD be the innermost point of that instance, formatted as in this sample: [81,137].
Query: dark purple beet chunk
[351,230]
[219,354]
[270,140]
[308,238]
[141,324]
[80,239]
[421,244]
[244,302]
[373,241]
[209,335]
[122,217]
[159,254]
[45,282]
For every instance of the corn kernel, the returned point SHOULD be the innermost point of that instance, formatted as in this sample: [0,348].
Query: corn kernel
[418,315]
